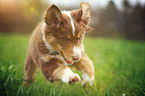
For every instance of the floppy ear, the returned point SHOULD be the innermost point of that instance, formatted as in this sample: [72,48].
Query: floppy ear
[85,10]
[89,29]
[82,14]
[53,15]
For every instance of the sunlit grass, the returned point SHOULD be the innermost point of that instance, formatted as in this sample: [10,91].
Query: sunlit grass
[119,69]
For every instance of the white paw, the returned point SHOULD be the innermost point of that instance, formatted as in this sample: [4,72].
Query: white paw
[87,78]
[70,77]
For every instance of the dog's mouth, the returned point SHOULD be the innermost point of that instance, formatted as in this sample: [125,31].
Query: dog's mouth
[65,59]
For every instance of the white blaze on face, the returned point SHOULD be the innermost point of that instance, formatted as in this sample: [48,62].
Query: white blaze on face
[76,52]
[68,13]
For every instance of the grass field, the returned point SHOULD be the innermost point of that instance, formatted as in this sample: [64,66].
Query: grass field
[119,69]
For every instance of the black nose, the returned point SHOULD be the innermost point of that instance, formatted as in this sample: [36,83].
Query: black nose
[75,58]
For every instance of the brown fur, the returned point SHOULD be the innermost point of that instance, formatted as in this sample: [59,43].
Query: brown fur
[85,64]
[58,33]
[48,68]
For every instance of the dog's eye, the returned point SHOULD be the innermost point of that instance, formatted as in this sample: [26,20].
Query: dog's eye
[79,38]
[63,38]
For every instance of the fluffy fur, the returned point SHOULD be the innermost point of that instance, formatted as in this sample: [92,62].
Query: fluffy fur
[57,44]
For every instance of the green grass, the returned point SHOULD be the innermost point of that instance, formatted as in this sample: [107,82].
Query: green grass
[119,69]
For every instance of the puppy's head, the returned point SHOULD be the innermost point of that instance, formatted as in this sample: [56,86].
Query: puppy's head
[65,30]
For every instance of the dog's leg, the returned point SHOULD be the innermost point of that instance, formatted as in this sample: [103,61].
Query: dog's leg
[30,70]
[54,70]
[87,68]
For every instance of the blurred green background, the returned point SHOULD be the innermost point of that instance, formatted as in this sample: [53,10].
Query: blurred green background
[116,47]
[110,18]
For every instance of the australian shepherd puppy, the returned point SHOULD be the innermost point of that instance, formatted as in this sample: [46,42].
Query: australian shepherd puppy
[57,44]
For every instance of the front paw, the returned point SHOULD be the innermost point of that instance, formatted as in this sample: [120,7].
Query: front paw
[87,78]
[74,78]
[70,77]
